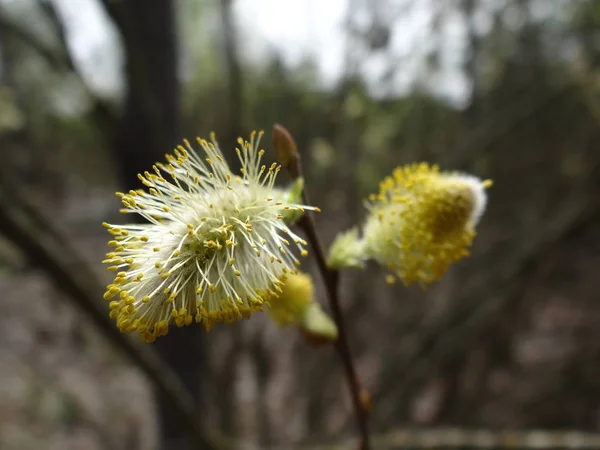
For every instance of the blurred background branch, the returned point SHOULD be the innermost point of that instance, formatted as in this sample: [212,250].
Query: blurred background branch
[48,251]
[454,438]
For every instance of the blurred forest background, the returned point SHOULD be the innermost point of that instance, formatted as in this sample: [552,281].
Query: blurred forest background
[509,339]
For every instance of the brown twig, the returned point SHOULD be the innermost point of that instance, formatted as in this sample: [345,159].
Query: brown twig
[331,279]
[286,151]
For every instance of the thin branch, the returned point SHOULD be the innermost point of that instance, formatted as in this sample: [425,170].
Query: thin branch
[331,280]
[74,277]
[283,140]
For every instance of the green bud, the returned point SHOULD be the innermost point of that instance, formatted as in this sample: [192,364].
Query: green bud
[317,325]
[291,195]
[347,251]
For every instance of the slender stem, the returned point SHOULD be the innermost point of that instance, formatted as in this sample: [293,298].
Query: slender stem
[331,280]
[287,153]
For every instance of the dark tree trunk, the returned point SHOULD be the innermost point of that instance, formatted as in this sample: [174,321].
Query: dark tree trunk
[150,126]
[233,111]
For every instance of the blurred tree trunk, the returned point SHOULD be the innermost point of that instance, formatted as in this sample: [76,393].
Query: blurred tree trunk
[470,66]
[149,128]
[232,128]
